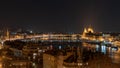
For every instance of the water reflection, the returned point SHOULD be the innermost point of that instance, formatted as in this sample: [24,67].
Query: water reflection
[97,47]
[103,49]
[113,53]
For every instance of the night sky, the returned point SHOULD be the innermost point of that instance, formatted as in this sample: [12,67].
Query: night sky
[60,15]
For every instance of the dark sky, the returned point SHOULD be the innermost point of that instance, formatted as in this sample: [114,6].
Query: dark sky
[60,15]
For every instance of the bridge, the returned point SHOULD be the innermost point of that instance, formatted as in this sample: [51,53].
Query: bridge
[58,38]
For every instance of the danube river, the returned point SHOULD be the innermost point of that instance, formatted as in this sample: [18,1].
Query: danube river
[96,55]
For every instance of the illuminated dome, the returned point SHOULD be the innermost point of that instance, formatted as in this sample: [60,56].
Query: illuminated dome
[90,30]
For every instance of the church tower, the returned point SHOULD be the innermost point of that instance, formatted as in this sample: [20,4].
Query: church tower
[84,33]
[7,34]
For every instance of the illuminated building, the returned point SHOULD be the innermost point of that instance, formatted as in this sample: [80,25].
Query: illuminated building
[84,33]
[88,30]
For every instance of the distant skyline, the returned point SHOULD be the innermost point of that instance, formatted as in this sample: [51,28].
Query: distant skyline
[61,15]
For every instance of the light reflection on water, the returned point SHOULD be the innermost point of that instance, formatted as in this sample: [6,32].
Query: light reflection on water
[103,49]
[97,47]
[113,53]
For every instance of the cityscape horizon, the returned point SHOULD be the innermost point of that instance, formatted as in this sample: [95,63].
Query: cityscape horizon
[60,34]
